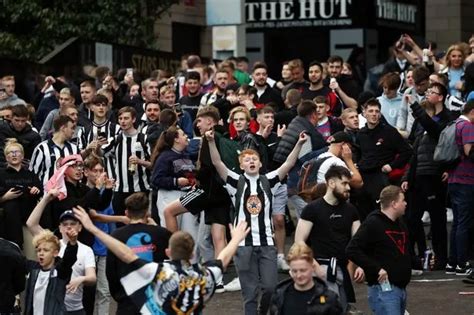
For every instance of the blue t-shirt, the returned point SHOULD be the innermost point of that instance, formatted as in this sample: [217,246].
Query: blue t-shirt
[98,247]
[454,77]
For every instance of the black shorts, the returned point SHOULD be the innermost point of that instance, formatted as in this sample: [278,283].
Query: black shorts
[215,211]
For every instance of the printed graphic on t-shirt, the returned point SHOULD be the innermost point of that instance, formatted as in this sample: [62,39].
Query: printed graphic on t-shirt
[253,205]
[142,246]
[399,238]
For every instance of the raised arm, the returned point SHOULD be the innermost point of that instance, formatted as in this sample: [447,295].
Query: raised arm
[215,156]
[292,157]
[120,250]
[33,222]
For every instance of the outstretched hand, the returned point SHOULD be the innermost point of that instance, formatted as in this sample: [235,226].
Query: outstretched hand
[239,231]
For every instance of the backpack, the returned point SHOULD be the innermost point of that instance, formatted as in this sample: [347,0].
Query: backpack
[447,151]
[308,174]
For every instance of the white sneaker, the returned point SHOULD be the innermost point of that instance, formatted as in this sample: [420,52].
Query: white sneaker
[415,272]
[282,264]
[232,286]
[426,218]
[449,214]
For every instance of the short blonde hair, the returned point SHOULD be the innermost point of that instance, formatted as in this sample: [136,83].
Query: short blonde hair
[66,91]
[300,251]
[240,109]
[12,142]
[48,237]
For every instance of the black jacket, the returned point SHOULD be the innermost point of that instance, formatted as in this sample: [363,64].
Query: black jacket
[422,162]
[271,95]
[28,138]
[329,305]
[382,145]
[12,277]
[207,175]
[289,139]
[56,290]
[382,243]
[347,84]
[79,195]
[285,117]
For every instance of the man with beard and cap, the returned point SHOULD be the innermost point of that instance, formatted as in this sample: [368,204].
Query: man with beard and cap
[330,222]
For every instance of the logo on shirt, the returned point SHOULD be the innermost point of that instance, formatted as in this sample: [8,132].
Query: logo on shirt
[399,238]
[253,205]
[142,246]
[335,216]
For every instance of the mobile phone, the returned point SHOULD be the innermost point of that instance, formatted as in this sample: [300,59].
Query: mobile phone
[20,188]
[102,135]
[177,108]
[129,71]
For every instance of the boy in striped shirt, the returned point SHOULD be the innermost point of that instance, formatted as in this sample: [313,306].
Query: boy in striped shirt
[252,196]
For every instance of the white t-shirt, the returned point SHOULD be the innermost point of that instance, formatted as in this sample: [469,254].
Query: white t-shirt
[39,295]
[85,259]
[332,160]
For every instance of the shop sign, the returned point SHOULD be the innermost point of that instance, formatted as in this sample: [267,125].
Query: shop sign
[297,13]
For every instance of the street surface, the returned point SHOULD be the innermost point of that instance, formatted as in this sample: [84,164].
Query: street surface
[432,293]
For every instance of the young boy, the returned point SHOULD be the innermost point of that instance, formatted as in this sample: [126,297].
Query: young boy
[252,196]
[46,284]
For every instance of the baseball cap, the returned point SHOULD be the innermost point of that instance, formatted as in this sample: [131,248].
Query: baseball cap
[67,215]
[339,137]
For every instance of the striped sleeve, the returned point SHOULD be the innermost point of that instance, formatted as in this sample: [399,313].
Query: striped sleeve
[37,158]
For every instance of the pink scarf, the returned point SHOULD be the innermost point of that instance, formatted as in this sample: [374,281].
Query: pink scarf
[57,180]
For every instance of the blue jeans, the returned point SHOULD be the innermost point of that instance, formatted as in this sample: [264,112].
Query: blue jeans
[387,303]
[462,202]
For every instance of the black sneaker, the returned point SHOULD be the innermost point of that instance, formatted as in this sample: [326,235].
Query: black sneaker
[220,288]
[464,270]
[449,269]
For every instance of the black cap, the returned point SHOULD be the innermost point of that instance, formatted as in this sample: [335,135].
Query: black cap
[339,137]
[67,215]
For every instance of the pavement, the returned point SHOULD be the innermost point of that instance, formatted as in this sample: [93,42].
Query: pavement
[432,293]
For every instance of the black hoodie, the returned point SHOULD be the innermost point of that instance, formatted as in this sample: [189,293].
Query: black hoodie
[382,243]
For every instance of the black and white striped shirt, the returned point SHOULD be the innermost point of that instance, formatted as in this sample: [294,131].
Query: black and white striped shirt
[45,156]
[122,147]
[110,130]
[255,206]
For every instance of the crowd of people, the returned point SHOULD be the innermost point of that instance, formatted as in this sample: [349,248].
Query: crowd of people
[143,188]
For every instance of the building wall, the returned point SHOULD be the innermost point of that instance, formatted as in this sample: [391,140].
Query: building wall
[450,21]
[190,14]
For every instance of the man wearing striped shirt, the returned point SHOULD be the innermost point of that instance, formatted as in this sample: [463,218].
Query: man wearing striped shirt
[102,131]
[252,196]
[48,152]
[132,160]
